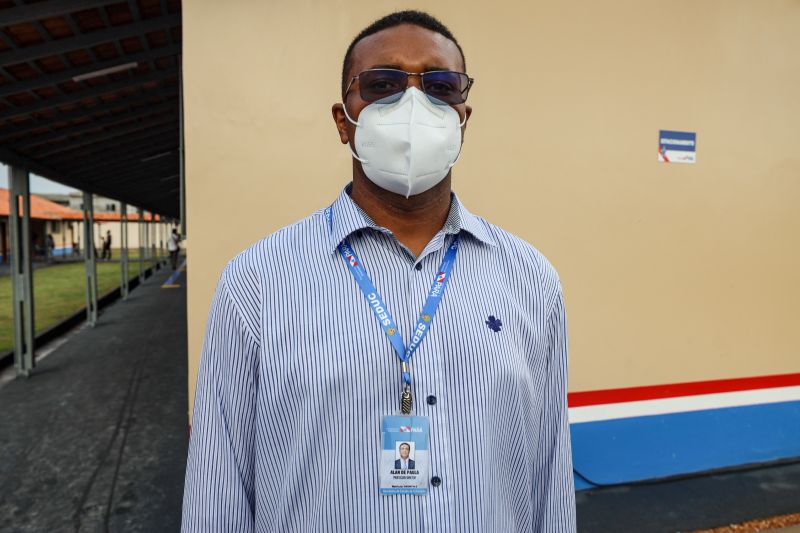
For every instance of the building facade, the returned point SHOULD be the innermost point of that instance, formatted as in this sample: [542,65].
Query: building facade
[681,280]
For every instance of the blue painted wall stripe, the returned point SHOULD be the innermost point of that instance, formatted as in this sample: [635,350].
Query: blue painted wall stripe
[647,447]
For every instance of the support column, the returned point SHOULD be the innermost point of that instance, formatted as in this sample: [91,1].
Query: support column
[141,245]
[181,150]
[90,258]
[148,254]
[21,272]
[152,236]
[124,289]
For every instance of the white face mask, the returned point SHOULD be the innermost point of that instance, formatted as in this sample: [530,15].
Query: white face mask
[408,145]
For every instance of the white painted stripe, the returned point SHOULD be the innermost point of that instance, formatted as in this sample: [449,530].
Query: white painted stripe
[680,156]
[682,404]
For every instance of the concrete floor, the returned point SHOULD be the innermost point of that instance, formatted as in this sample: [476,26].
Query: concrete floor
[96,438]
[693,503]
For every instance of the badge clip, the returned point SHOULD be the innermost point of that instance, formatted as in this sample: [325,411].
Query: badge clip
[406,401]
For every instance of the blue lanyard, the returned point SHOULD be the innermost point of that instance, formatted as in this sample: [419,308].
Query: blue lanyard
[382,312]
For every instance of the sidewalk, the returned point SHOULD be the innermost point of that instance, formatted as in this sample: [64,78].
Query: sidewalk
[5,268]
[96,438]
[691,504]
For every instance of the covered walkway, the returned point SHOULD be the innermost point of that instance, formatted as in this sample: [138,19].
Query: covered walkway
[96,438]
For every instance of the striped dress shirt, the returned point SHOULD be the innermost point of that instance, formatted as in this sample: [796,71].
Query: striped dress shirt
[296,374]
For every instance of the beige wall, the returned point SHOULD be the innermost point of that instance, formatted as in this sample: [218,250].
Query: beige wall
[671,272]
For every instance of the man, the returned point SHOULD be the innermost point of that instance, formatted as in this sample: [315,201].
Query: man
[107,246]
[404,463]
[394,311]
[50,244]
[174,248]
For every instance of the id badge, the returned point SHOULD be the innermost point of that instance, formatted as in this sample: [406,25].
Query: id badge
[405,455]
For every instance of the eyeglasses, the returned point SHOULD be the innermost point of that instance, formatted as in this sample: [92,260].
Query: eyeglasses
[445,85]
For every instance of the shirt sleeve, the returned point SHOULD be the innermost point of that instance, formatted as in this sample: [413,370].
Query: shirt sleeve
[555,488]
[219,487]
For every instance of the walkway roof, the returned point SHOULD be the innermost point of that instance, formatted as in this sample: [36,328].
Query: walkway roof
[89,95]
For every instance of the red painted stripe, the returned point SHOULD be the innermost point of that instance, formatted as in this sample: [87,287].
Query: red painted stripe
[673,390]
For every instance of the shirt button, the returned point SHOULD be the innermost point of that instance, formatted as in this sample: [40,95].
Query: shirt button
[431,400]
[418,266]
[436,481]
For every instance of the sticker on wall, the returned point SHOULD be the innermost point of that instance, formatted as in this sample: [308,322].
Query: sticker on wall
[677,146]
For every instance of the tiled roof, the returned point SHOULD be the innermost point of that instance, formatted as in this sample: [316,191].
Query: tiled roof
[44,209]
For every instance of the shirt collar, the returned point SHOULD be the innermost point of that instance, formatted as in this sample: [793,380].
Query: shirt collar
[348,218]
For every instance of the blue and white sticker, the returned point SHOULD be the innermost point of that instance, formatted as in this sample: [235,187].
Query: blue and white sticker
[677,146]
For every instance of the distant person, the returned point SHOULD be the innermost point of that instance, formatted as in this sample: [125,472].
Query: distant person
[51,247]
[107,246]
[404,463]
[35,248]
[174,248]
[76,248]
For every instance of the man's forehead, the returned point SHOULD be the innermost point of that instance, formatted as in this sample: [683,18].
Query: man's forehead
[406,46]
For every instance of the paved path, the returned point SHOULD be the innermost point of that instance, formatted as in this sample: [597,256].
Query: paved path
[693,503]
[96,439]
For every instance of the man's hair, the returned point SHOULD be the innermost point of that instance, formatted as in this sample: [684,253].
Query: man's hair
[417,18]
[404,444]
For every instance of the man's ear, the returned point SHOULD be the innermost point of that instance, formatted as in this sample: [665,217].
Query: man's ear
[467,114]
[341,122]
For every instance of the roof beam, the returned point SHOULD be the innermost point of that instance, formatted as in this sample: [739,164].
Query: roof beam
[36,123]
[131,154]
[43,10]
[137,174]
[116,144]
[77,96]
[143,194]
[109,135]
[86,40]
[12,158]
[133,159]
[62,76]
[66,132]
[149,195]
[103,152]
[134,179]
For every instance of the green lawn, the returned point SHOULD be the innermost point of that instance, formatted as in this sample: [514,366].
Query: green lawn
[58,291]
[133,253]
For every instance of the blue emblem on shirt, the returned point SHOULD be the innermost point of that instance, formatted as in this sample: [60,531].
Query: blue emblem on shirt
[494,323]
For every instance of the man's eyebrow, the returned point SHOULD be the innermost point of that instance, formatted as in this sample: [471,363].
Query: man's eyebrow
[398,67]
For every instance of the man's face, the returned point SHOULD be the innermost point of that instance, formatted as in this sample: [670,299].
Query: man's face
[405,449]
[405,47]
